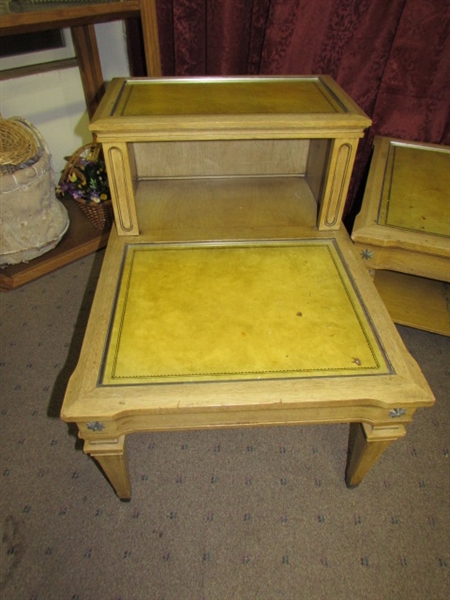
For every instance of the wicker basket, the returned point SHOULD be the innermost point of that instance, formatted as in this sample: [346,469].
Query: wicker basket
[99,213]
[20,144]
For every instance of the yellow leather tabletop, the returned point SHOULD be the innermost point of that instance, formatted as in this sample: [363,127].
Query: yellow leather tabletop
[270,96]
[416,185]
[202,312]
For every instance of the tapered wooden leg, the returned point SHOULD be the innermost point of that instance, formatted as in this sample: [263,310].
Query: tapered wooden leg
[111,455]
[366,445]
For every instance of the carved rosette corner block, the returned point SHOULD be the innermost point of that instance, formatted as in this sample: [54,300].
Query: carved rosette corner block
[397,412]
[95,426]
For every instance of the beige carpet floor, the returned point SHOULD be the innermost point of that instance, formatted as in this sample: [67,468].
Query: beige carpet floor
[218,515]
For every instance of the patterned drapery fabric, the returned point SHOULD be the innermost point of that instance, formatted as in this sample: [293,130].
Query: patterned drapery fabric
[392,58]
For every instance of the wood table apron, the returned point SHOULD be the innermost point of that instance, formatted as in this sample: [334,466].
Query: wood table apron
[255,173]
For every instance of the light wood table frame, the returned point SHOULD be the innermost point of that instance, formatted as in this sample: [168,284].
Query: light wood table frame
[402,232]
[230,294]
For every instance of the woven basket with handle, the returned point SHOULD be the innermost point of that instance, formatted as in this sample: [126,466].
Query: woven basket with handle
[100,214]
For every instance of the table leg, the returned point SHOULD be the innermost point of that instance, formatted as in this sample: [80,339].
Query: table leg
[111,455]
[366,445]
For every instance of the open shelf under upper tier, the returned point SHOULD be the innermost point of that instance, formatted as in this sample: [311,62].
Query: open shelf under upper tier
[209,208]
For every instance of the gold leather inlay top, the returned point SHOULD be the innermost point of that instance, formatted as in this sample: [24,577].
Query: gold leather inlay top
[238,311]
[243,97]
[415,187]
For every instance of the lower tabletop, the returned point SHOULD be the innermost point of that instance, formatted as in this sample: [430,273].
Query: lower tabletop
[203,312]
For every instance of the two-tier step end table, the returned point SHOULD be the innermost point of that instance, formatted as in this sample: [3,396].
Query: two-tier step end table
[403,231]
[230,294]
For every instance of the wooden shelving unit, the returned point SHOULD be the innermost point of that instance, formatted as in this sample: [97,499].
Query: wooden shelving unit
[82,238]
[81,18]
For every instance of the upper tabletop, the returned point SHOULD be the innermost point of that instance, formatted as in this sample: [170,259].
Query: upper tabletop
[416,189]
[407,198]
[223,97]
[269,105]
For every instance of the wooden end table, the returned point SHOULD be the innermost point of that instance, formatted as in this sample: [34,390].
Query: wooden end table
[403,231]
[230,295]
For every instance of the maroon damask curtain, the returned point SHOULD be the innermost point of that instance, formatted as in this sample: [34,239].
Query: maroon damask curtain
[391,56]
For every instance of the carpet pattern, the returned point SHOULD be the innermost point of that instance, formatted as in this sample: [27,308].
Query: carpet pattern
[248,514]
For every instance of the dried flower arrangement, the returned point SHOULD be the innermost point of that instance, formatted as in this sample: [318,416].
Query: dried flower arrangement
[85,180]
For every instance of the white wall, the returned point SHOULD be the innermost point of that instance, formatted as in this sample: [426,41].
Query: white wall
[54,101]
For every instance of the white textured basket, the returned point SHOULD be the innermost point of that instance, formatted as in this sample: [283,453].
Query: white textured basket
[32,219]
